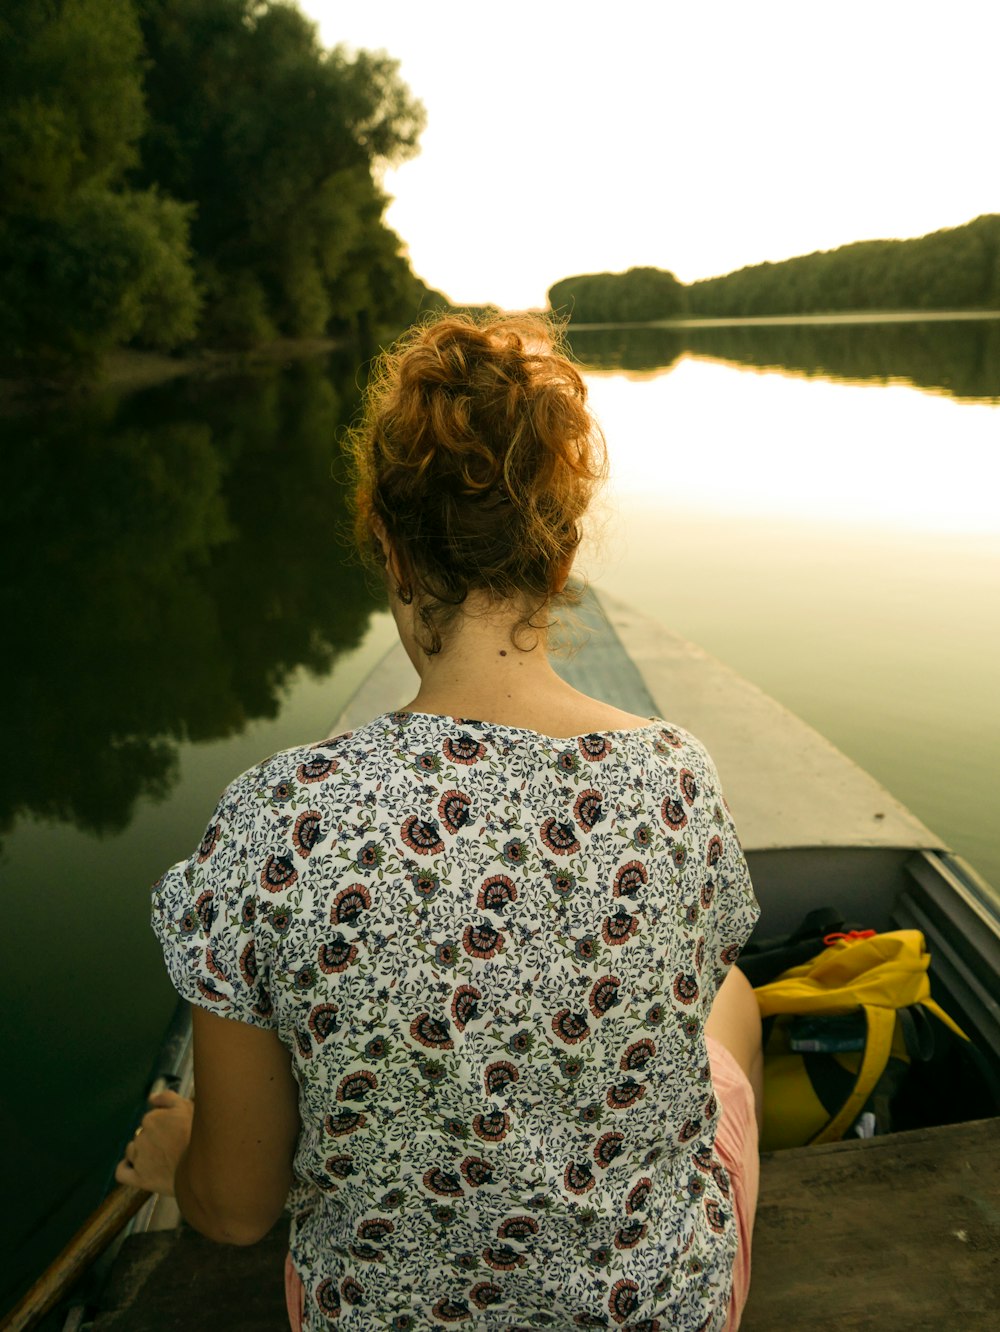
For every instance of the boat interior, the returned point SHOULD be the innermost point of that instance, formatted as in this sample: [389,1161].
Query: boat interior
[895,1233]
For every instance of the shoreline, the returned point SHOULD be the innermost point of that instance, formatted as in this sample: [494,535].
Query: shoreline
[128,370]
[831,317]
[139,369]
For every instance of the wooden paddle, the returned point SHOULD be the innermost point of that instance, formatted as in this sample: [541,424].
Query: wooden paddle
[90,1240]
[122,1203]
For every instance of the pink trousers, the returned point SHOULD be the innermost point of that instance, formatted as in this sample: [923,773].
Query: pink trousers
[736,1146]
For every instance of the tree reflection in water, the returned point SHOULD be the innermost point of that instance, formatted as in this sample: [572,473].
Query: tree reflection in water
[960,358]
[173,557]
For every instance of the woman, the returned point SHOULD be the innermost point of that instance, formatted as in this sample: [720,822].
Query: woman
[462,980]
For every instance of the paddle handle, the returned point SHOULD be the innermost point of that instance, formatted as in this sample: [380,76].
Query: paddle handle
[94,1235]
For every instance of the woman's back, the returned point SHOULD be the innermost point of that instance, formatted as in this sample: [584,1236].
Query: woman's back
[492,953]
[471,965]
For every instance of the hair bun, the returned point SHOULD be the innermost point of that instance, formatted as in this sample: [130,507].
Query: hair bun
[478,454]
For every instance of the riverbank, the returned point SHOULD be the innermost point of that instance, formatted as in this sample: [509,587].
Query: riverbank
[128,370]
[778,321]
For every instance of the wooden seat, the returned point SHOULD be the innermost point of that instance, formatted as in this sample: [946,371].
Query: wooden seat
[894,1234]
[177,1281]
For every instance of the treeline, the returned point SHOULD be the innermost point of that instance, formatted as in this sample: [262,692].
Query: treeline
[954,269]
[637,296]
[179,172]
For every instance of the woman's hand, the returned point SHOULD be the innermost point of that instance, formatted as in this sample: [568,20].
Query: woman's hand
[229,1166]
[152,1156]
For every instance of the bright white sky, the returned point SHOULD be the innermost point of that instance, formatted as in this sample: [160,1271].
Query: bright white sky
[566,136]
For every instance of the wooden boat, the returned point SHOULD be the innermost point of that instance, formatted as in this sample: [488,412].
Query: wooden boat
[895,1232]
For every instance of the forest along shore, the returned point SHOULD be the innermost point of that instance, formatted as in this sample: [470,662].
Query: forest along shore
[141,208]
[957,268]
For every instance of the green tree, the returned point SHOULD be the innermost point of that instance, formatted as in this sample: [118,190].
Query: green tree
[278,143]
[71,105]
[85,263]
[952,269]
[180,169]
[638,296]
[107,269]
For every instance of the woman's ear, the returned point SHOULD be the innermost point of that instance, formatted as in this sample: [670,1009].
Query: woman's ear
[392,566]
[380,534]
[562,574]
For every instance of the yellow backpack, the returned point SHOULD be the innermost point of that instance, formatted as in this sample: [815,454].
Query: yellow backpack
[845,1028]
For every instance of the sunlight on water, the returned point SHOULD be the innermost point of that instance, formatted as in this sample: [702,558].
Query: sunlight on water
[707,437]
[836,543]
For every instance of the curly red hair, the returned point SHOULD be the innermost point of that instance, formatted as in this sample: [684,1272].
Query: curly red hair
[477,454]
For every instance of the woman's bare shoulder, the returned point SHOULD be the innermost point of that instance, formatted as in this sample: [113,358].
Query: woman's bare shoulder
[582,715]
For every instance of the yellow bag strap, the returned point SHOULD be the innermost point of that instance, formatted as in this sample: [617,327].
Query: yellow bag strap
[939,1013]
[878,1045]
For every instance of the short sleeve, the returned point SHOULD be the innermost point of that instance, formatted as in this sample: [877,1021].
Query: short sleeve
[732,909]
[205,915]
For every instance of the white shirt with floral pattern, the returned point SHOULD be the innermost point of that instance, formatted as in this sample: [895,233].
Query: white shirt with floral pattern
[491,954]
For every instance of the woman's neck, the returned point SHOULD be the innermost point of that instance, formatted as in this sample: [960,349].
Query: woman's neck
[485,667]
[481,673]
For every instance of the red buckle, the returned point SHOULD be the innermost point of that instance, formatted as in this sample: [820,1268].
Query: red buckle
[850,937]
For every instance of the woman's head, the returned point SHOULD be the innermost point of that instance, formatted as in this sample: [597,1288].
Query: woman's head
[475,460]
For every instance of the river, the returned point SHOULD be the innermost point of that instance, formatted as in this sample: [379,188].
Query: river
[818,506]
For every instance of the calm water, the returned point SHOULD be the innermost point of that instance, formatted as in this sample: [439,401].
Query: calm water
[820,508]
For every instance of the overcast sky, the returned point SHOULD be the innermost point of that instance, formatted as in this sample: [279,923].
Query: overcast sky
[694,135]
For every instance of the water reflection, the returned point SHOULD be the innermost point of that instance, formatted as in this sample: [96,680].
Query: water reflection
[959,358]
[174,561]
[173,557]
[640,350]
[175,572]
[711,439]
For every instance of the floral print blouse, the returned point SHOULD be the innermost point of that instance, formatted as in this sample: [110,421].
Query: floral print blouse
[491,954]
